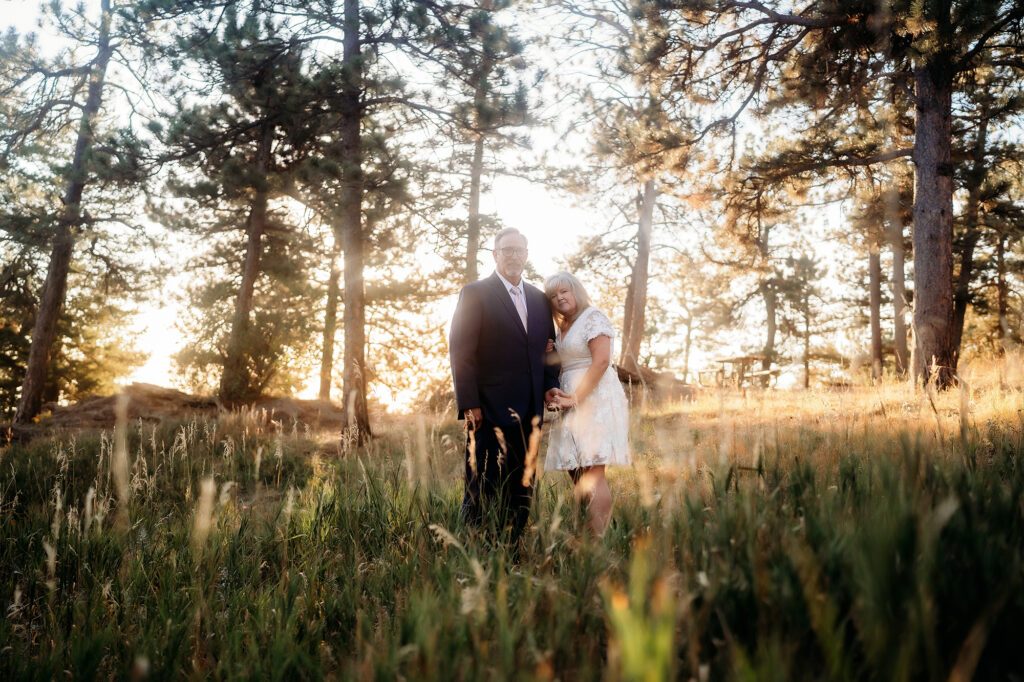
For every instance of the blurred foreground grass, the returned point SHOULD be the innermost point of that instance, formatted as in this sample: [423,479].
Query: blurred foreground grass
[870,534]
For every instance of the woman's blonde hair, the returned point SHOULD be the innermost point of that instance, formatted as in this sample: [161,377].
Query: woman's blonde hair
[566,279]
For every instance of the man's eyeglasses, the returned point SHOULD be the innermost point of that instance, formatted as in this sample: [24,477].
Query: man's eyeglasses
[509,251]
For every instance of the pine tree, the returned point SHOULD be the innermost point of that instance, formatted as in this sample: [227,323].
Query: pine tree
[479,63]
[628,124]
[242,148]
[825,59]
[800,291]
[68,170]
[364,31]
[699,291]
[990,104]
[386,198]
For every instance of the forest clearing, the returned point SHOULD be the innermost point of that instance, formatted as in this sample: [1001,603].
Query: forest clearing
[284,286]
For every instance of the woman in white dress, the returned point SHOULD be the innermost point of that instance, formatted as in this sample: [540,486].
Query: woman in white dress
[592,432]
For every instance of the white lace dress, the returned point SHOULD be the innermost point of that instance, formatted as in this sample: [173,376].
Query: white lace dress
[595,431]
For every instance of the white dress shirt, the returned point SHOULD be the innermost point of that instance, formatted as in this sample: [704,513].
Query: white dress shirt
[509,286]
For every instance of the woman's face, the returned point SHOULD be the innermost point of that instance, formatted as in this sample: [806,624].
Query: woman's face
[563,302]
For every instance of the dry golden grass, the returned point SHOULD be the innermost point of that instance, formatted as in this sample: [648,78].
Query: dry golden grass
[674,442]
[874,533]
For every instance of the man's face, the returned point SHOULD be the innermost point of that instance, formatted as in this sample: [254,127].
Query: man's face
[510,257]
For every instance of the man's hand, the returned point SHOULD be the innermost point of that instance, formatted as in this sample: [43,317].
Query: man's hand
[474,416]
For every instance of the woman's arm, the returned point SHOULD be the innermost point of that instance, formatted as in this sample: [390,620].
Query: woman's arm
[600,357]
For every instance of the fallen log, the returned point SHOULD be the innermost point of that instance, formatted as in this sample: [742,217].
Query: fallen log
[661,385]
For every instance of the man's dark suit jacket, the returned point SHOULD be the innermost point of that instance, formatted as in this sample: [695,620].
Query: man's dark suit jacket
[496,365]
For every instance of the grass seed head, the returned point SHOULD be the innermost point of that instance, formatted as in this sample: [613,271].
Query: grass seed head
[471,451]
[204,512]
[530,466]
[119,461]
[51,564]
[87,521]
[58,511]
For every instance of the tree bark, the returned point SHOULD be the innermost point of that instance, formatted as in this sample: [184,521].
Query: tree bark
[236,385]
[481,81]
[330,326]
[875,286]
[933,225]
[770,297]
[351,214]
[1002,294]
[634,333]
[899,296]
[972,232]
[51,299]
[473,224]
[807,343]
[627,316]
[686,348]
[961,295]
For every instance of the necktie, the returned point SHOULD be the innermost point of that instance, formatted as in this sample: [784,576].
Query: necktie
[517,298]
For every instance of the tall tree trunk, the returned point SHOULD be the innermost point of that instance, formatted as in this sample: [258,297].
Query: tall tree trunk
[933,224]
[473,224]
[769,291]
[481,82]
[807,343]
[51,299]
[687,346]
[236,382]
[351,213]
[962,292]
[627,315]
[1002,295]
[972,232]
[634,334]
[330,325]
[770,297]
[875,286]
[899,295]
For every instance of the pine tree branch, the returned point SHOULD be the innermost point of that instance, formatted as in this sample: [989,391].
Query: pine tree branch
[743,263]
[1016,15]
[597,16]
[707,47]
[791,170]
[766,58]
[38,71]
[10,270]
[1009,63]
[405,101]
[14,138]
[777,18]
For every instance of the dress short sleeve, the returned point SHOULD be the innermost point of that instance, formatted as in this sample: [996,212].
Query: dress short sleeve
[596,323]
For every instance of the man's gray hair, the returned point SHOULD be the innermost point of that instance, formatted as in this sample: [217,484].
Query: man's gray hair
[504,232]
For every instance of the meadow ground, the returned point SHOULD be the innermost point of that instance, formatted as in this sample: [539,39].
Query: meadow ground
[876,533]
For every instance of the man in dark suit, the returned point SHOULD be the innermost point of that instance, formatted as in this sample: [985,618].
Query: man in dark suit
[497,345]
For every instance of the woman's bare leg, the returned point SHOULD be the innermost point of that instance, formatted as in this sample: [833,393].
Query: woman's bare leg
[591,490]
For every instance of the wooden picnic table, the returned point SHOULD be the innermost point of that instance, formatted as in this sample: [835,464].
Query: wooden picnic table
[738,371]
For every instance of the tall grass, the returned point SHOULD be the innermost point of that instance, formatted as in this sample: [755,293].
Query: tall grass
[874,534]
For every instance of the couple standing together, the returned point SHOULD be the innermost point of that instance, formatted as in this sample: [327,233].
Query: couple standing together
[508,362]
